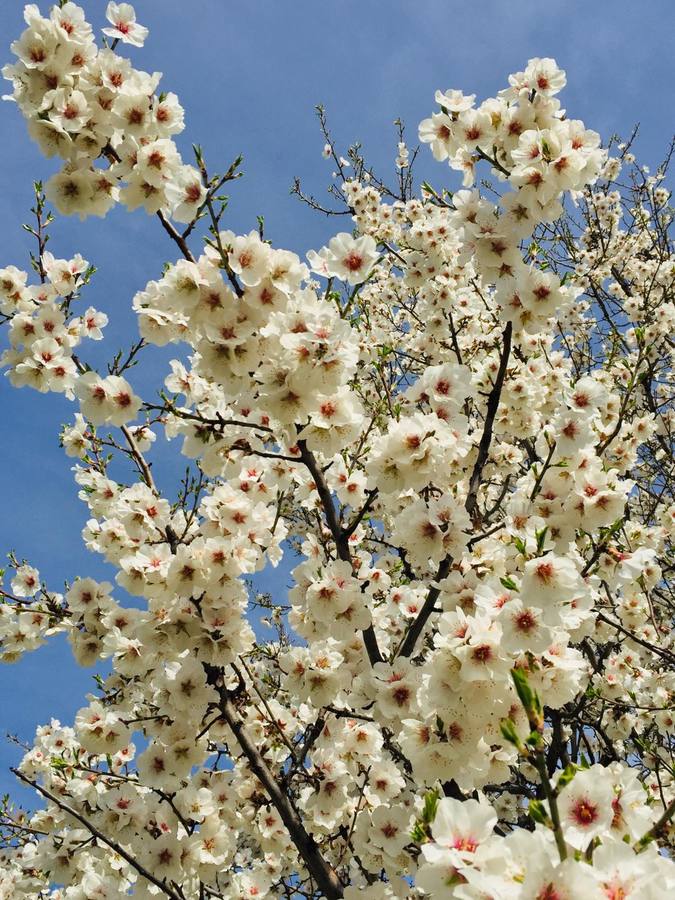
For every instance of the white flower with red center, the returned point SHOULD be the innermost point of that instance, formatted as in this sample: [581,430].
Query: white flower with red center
[12,288]
[462,826]
[132,114]
[287,272]
[464,161]
[415,451]
[143,437]
[114,71]
[475,129]
[64,274]
[168,115]
[247,255]
[585,806]
[156,161]
[251,885]
[625,875]
[124,27]
[335,423]
[549,581]
[480,654]
[529,151]
[395,688]
[350,486]
[345,257]
[70,110]
[631,814]
[163,856]
[385,781]
[390,828]
[523,628]
[124,802]
[108,399]
[587,395]
[599,498]
[185,193]
[37,46]
[443,387]
[93,322]
[418,533]
[572,429]
[332,593]
[545,77]
[438,131]
[100,730]
[540,292]
[317,674]
[569,880]
[75,438]
[213,842]
[454,101]
[26,582]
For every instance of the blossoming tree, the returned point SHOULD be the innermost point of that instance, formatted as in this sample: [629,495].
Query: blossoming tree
[454,422]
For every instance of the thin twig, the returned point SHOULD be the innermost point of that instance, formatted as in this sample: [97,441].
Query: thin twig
[99,835]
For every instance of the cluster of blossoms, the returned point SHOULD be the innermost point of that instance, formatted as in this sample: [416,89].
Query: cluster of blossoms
[42,334]
[84,104]
[464,857]
[458,421]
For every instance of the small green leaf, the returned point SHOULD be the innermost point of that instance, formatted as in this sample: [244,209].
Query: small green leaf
[566,775]
[537,812]
[520,544]
[430,806]
[509,733]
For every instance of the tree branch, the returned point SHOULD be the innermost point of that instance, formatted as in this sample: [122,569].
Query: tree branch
[491,412]
[177,238]
[408,644]
[99,835]
[323,873]
[340,536]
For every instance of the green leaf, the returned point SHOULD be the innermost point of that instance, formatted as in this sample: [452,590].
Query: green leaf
[418,833]
[537,812]
[541,538]
[520,544]
[523,689]
[534,740]
[430,807]
[508,729]
[566,775]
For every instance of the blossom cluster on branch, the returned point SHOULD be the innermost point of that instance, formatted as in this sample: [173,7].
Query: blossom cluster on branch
[452,425]
[84,104]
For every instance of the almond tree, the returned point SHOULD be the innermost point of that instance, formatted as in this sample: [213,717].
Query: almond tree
[454,422]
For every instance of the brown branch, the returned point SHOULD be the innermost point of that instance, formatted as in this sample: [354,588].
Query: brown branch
[491,413]
[660,651]
[322,872]
[272,718]
[356,521]
[139,459]
[340,535]
[177,238]
[408,644]
[493,161]
[99,835]
[656,828]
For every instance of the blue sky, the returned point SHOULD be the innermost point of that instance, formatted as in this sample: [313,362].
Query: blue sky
[249,75]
